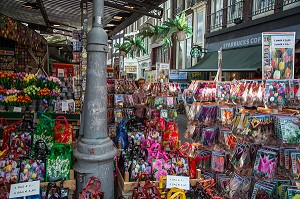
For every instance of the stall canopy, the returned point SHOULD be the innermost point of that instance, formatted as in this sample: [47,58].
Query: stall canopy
[62,16]
[241,59]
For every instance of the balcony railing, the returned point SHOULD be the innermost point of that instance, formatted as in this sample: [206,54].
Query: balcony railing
[191,3]
[235,13]
[262,7]
[216,20]
[288,2]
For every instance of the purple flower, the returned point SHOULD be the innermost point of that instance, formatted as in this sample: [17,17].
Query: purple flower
[265,165]
[157,165]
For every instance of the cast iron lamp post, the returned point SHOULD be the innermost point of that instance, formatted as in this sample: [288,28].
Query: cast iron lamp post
[95,150]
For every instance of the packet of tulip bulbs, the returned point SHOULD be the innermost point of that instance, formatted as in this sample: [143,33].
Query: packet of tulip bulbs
[225,116]
[287,157]
[290,131]
[284,190]
[275,94]
[223,91]
[240,122]
[241,157]
[293,87]
[227,139]
[218,161]
[264,190]
[265,164]
[293,193]
[295,165]
[209,135]
[279,184]
[235,186]
[172,114]
[10,169]
[119,100]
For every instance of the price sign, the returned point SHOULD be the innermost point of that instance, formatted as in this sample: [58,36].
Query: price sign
[181,182]
[24,189]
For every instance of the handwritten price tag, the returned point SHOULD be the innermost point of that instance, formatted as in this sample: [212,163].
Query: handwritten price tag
[181,182]
[24,189]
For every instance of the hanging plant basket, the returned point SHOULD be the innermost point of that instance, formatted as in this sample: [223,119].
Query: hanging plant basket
[180,36]
[123,53]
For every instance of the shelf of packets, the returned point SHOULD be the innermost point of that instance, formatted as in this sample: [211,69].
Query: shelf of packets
[248,147]
[153,151]
[275,94]
[41,152]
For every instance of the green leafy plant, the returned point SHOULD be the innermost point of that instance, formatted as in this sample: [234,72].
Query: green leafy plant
[124,47]
[135,44]
[174,26]
[151,31]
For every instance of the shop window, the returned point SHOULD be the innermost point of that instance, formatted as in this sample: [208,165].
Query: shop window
[262,8]
[216,15]
[188,61]
[179,7]
[234,11]
[167,11]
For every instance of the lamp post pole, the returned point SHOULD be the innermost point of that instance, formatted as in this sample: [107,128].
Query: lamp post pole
[95,150]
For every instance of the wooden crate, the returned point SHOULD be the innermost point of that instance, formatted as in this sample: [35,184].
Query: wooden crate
[128,187]
[68,184]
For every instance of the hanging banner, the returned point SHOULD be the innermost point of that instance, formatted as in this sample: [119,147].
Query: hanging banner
[176,75]
[278,50]
[150,76]
[162,72]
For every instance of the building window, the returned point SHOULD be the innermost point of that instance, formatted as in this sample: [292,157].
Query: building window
[200,27]
[167,11]
[216,14]
[188,61]
[234,11]
[262,6]
[179,7]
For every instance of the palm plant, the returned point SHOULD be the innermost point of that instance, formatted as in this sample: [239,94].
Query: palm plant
[135,44]
[123,48]
[178,26]
[151,31]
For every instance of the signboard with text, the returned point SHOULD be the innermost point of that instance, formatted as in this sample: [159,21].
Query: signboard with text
[278,49]
[176,75]
[181,182]
[24,189]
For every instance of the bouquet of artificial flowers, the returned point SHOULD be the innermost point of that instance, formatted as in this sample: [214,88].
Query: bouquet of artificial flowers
[32,92]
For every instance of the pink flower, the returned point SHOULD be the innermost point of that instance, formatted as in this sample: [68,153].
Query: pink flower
[160,174]
[167,166]
[157,165]
[265,164]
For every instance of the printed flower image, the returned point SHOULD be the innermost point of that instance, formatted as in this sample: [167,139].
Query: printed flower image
[266,165]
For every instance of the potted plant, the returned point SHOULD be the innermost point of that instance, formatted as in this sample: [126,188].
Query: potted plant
[135,45]
[177,26]
[122,48]
[151,31]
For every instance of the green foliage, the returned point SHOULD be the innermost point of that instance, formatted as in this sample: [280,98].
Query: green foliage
[135,45]
[122,47]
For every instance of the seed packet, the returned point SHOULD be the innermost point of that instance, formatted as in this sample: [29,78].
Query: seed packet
[110,101]
[279,184]
[235,185]
[227,139]
[119,101]
[223,91]
[10,169]
[172,114]
[112,129]
[218,161]
[241,157]
[225,116]
[284,189]
[170,102]
[164,114]
[265,164]
[159,102]
[209,135]
[275,93]
[293,193]
[118,115]
[287,157]
[263,189]
[129,101]
[295,157]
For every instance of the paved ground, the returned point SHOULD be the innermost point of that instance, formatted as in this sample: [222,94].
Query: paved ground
[182,121]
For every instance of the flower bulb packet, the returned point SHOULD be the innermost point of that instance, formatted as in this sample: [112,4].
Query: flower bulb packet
[279,184]
[265,164]
[295,157]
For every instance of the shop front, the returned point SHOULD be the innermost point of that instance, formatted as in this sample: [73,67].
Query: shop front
[241,56]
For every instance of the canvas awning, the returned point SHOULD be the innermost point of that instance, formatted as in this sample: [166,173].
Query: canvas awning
[240,59]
